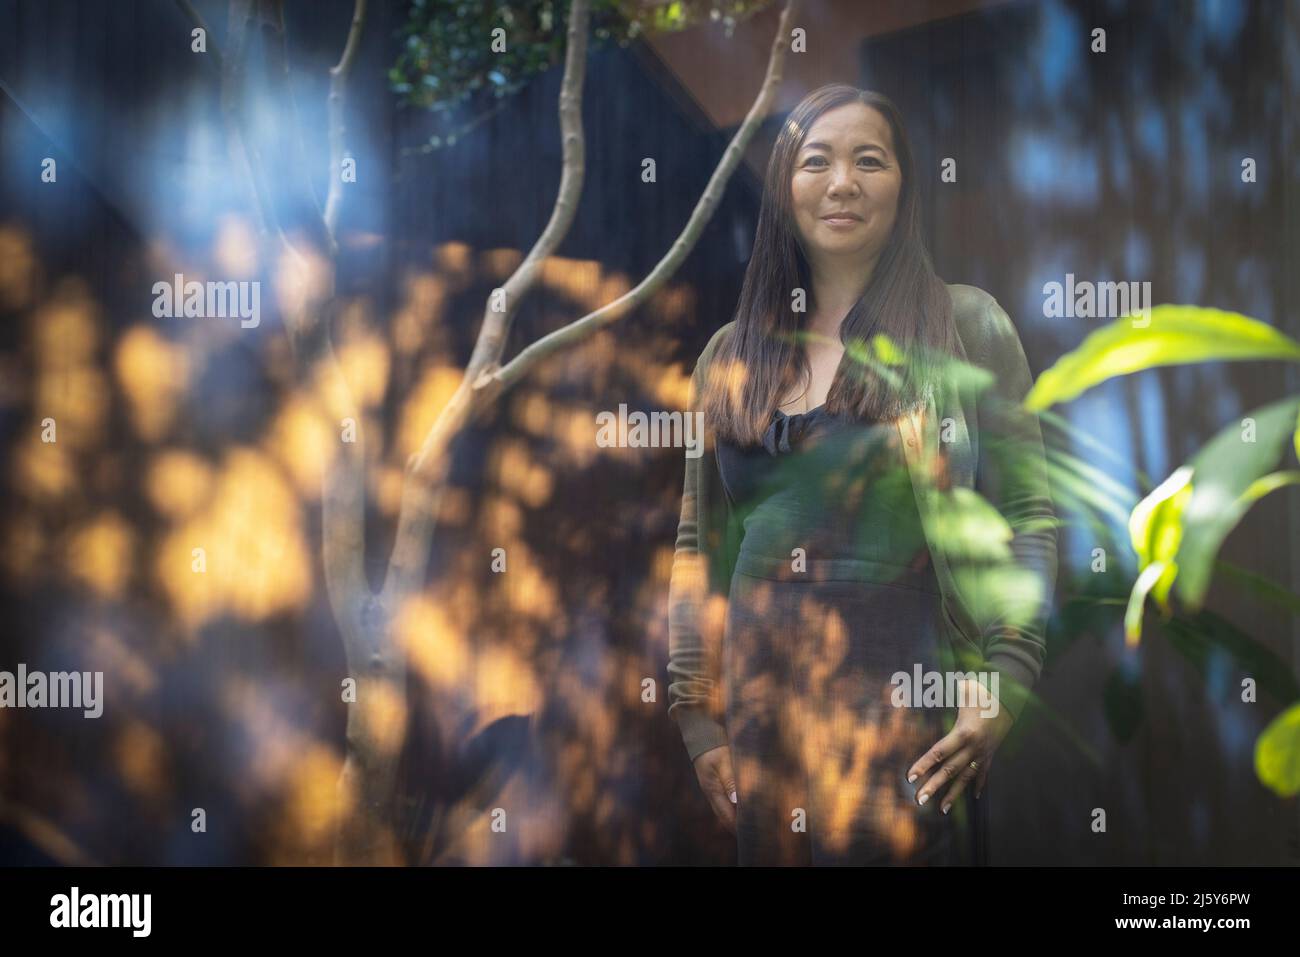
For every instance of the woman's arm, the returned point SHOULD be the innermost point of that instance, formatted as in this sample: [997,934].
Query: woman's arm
[697,598]
[1012,474]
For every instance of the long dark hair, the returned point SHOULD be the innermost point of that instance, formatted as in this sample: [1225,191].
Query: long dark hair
[905,301]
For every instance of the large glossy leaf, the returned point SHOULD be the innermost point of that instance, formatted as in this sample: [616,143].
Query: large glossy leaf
[1277,753]
[1156,531]
[1175,335]
[1228,475]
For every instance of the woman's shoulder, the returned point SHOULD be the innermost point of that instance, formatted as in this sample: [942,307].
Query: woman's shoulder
[982,324]
[981,321]
[714,341]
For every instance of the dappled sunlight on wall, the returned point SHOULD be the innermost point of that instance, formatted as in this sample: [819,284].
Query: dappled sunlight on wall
[148,507]
[153,375]
[297,774]
[254,557]
[420,410]
[102,554]
[19,268]
[69,385]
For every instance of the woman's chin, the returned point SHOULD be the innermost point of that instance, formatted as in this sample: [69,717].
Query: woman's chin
[845,248]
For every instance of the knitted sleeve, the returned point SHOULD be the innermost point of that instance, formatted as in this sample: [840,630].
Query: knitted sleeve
[698,592]
[1012,474]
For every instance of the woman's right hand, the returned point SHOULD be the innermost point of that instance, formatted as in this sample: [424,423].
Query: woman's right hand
[718,782]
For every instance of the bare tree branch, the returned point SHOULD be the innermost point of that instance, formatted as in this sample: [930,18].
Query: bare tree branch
[375,661]
[496,325]
[232,84]
[297,208]
[484,377]
[230,70]
[704,209]
[427,469]
[307,319]
[375,657]
[305,279]
[338,126]
[313,269]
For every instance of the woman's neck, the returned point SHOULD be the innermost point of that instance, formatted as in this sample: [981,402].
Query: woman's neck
[836,289]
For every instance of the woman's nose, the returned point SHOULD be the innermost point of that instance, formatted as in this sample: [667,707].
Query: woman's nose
[843,183]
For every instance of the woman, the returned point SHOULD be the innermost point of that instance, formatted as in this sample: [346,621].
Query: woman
[822,560]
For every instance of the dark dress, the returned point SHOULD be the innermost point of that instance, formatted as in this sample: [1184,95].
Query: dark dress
[812,641]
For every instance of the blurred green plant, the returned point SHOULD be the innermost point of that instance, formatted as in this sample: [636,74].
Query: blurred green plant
[1177,529]
[455,52]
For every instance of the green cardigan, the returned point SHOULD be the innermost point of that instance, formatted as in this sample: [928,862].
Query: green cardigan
[995,611]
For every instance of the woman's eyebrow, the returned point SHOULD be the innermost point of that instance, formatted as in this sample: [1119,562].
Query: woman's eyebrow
[819,145]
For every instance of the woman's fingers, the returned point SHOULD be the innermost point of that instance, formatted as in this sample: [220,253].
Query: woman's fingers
[948,765]
[941,751]
[718,782]
[964,775]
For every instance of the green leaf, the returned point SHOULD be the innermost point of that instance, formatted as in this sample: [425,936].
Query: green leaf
[1297,437]
[884,356]
[1156,530]
[967,526]
[1277,753]
[886,350]
[1228,476]
[859,353]
[1268,483]
[1137,600]
[1174,335]
[1079,486]
[1005,593]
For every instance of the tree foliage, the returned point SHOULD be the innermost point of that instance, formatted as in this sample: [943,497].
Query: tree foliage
[453,55]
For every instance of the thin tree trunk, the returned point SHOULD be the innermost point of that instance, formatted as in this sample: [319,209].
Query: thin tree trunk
[377,718]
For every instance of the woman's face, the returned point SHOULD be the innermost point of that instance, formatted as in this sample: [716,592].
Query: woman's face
[846,165]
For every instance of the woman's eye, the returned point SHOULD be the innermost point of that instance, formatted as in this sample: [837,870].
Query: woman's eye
[818,160]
